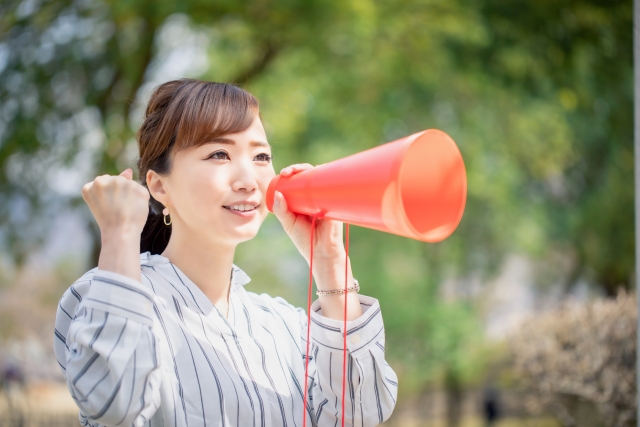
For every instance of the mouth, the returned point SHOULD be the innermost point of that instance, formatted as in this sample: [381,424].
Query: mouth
[242,209]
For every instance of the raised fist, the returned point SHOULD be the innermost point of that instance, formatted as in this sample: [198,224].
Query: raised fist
[117,202]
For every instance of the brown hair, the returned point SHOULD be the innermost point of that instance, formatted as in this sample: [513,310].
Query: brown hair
[180,114]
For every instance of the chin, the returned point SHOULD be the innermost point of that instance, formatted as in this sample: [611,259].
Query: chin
[247,232]
[244,237]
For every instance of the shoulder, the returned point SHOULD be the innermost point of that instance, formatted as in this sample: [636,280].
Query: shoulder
[68,308]
[75,293]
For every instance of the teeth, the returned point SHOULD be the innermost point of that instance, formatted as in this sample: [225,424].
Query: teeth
[243,208]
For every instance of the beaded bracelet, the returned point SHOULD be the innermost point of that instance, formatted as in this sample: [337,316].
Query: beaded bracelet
[356,288]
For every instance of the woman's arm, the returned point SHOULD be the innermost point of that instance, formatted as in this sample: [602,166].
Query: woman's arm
[120,207]
[106,349]
[371,384]
[120,251]
[103,336]
[329,254]
[329,274]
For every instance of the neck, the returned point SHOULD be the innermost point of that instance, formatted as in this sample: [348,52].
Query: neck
[207,264]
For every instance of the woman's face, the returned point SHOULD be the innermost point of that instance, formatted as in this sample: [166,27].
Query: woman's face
[218,190]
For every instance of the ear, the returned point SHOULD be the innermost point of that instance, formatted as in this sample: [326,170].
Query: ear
[156,187]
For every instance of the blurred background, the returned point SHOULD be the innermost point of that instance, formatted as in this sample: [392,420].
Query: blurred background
[524,316]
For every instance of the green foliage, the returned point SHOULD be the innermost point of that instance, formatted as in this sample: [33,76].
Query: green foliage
[538,95]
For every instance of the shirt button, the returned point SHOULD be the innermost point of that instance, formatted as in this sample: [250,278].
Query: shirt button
[148,306]
[355,339]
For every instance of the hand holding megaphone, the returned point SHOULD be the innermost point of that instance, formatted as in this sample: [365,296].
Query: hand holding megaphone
[328,235]
[415,187]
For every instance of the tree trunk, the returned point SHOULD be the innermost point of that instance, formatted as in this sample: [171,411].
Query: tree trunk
[454,396]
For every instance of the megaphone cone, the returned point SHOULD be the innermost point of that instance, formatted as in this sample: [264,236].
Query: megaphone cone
[415,187]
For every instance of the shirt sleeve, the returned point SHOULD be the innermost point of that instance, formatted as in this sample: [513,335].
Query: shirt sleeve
[107,351]
[371,384]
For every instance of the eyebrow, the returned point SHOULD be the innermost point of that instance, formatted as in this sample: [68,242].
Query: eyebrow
[222,140]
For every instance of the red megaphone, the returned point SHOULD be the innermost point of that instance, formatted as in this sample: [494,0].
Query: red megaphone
[415,187]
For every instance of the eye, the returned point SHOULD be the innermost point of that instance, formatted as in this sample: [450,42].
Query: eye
[215,155]
[264,157]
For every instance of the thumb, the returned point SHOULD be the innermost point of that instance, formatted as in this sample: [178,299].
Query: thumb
[281,211]
[127,173]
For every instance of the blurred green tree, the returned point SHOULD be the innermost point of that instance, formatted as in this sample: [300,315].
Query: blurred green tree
[538,95]
[68,66]
[569,64]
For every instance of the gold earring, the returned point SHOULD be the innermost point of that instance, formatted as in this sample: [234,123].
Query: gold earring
[165,212]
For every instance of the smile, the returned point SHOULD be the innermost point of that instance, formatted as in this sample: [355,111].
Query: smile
[242,208]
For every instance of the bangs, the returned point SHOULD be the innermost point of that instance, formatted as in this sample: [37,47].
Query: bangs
[210,110]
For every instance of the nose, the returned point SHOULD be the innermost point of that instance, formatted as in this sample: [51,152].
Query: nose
[244,178]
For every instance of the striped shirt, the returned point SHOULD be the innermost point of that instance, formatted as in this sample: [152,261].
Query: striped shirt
[159,353]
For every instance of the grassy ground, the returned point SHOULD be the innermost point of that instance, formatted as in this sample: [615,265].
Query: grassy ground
[50,405]
[477,422]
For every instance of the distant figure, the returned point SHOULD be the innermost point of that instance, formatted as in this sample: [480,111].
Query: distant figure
[12,380]
[490,405]
[12,374]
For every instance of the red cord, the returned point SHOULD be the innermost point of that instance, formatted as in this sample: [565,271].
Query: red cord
[344,348]
[306,358]
[310,290]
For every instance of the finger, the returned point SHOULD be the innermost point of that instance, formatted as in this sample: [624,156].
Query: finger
[127,173]
[281,211]
[86,189]
[302,167]
[298,167]
[291,168]
[287,170]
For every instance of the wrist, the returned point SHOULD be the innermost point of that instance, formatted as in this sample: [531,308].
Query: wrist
[330,274]
[120,252]
[341,291]
[329,260]
[120,234]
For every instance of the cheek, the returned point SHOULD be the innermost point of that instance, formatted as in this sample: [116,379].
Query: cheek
[201,189]
[265,178]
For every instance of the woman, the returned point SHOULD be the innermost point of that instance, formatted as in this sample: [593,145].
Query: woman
[163,332]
